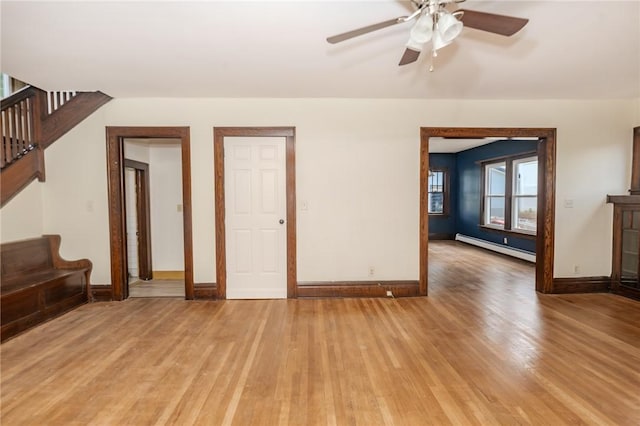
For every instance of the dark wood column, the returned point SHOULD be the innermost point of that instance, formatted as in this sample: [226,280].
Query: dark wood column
[635,165]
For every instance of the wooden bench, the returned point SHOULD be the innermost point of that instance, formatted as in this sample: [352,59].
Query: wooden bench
[37,284]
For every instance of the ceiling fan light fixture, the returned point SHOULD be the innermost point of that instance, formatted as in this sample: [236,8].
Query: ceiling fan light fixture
[433,22]
[421,32]
[438,42]
[448,28]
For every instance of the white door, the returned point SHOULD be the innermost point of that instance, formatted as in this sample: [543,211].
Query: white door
[131,221]
[255,220]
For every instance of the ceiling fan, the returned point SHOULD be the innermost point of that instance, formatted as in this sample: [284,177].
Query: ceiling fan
[435,23]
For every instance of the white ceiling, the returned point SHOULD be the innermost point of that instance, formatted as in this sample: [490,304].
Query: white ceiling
[569,50]
[450,146]
[439,145]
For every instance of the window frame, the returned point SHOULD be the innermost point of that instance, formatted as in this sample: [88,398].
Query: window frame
[485,196]
[509,198]
[515,196]
[446,185]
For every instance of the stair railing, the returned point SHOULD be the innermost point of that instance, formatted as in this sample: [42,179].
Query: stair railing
[33,119]
[19,127]
[56,99]
[20,132]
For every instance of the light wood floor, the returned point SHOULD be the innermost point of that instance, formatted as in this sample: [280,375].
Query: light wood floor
[482,349]
[157,288]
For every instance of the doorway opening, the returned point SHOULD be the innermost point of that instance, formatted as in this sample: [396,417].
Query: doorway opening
[546,155]
[130,210]
[153,190]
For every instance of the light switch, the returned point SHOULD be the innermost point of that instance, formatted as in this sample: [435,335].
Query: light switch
[179,208]
[568,203]
[304,206]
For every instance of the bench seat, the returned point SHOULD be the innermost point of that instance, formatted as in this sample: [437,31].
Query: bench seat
[34,279]
[37,284]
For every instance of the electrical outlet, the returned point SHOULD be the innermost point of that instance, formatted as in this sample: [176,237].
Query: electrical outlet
[372,271]
[389,293]
[576,269]
[505,240]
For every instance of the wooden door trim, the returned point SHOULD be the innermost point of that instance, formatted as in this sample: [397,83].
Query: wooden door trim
[219,133]
[115,182]
[143,206]
[546,194]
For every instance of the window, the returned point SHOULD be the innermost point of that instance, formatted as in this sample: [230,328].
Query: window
[495,192]
[525,194]
[438,192]
[510,196]
[9,85]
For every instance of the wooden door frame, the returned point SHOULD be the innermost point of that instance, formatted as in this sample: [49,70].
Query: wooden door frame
[115,181]
[545,236]
[289,133]
[143,217]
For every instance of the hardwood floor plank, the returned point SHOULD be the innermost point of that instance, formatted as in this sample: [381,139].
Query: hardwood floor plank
[482,349]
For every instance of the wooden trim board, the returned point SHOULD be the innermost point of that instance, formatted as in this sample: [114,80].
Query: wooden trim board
[581,285]
[205,291]
[168,275]
[101,292]
[358,288]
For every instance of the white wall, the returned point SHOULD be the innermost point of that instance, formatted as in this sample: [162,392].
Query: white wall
[136,150]
[21,217]
[165,194]
[74,196]
[165,175]
[357,167]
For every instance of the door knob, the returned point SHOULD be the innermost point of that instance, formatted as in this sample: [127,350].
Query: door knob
[281,221]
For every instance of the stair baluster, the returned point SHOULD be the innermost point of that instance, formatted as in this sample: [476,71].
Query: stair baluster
[56,99]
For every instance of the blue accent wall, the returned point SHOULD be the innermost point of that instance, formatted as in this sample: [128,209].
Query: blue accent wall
[466,192]
[445,224]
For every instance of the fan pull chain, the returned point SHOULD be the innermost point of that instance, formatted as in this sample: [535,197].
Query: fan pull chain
[434,54]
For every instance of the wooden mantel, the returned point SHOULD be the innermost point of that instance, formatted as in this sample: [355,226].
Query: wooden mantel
[624,279]
[623,199]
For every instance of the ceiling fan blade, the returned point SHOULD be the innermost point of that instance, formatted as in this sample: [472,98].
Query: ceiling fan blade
[491,22]
[409,56]
[365,30]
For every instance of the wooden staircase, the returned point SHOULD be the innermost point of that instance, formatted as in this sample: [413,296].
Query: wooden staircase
[33,119]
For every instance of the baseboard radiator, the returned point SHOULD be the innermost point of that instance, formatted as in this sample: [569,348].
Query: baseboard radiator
[509,251]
